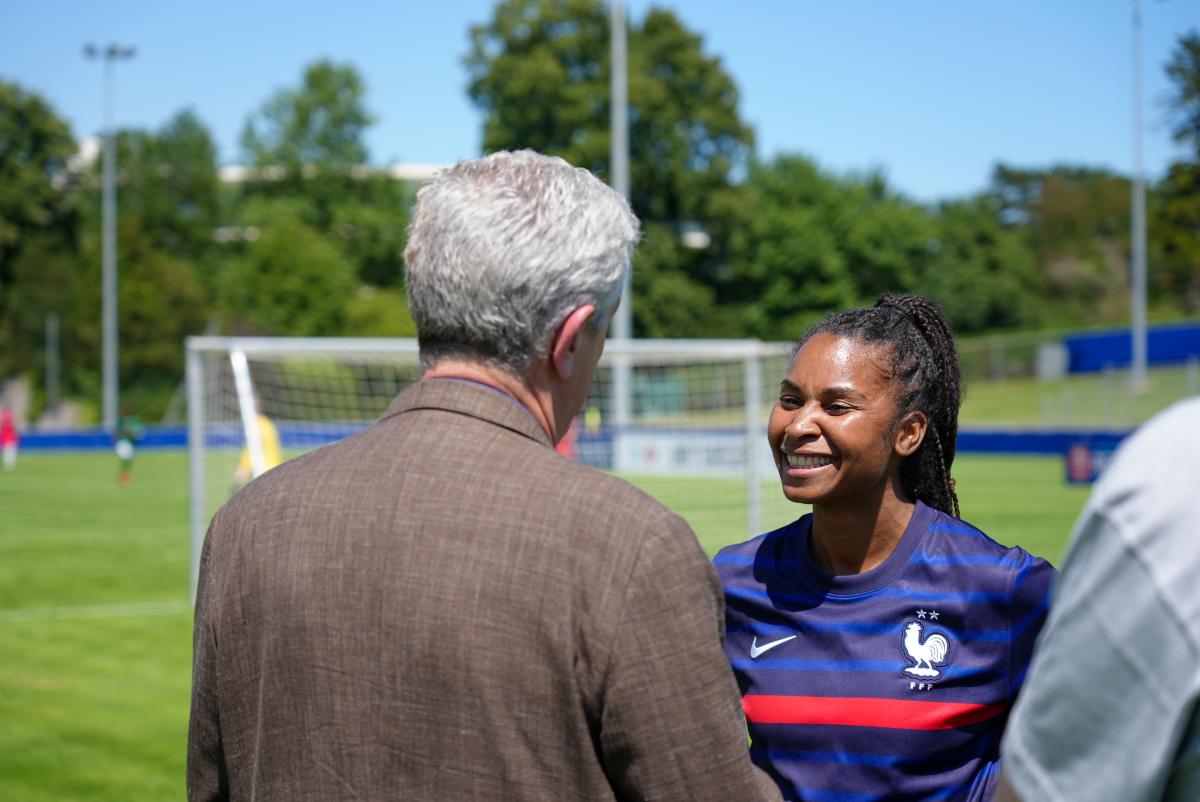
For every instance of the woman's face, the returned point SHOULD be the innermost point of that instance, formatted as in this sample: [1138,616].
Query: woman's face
[833,430]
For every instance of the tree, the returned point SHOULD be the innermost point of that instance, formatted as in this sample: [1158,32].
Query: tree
[370,225]
[1183,70]
[1076,220]
[818,242]
[169,181]
[291,280]
[887,240]
[791,265]
[160,302]
[1177,226]
[313,135]
[668,303]
[375,312]
[45,280]
[1178,237]
[982,272]
[539,73]
[35,147]
[37,224]
[321,124]
[539,70]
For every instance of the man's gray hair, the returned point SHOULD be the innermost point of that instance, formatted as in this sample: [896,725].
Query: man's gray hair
[502,248]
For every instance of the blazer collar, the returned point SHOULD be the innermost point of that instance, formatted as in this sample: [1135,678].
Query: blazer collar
[469,398]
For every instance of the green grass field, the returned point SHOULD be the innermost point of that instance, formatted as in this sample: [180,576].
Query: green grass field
[95,628]
[1086,399]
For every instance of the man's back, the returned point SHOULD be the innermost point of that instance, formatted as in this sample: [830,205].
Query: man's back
[443,608]
[1111,710]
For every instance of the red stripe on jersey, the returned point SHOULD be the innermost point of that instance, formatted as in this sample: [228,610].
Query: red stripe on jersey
[859,712]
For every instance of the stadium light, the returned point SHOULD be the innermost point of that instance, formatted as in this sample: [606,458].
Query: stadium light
[1137,272]
[108,280]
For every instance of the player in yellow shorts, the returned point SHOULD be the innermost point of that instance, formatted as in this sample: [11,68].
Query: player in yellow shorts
[272,454]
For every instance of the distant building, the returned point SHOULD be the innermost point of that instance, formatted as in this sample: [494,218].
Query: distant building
[89,151]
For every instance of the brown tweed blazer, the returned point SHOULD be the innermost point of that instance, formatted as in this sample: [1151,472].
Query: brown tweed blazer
[443,608]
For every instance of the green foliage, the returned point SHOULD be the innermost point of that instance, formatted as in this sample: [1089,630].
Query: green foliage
[35,145]
[1183,70]
[308,141]
[668,303]
[1076,220]
[291,280]
[36,223]
[791,259]
[886,239]
[1179,211]
[540,72]
[818,243]
[982,272]
[313,243]
[44,281]
[686,136]
[167,211]
[321,124]
[169,182]
[372,312]
[1178,276]
[160,302]
[369,224]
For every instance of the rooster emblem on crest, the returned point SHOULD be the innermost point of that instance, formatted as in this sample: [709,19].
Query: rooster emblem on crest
[925,654]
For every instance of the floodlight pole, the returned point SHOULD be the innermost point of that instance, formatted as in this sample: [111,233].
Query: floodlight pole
[1137,273]
[619,160]
[108,272]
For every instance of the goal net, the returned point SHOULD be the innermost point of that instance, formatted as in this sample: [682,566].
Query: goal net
[685,420]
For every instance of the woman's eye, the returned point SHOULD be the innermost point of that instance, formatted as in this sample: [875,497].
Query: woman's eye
[789,401]
[837,409]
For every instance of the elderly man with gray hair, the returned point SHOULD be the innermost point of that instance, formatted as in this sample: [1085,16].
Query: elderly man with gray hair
[443,608]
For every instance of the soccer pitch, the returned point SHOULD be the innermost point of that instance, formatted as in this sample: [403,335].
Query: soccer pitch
[95,627]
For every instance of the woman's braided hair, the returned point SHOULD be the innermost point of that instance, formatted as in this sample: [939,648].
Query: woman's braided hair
[925,365]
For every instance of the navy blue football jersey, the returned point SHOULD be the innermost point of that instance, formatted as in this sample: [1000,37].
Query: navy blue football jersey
[893,684]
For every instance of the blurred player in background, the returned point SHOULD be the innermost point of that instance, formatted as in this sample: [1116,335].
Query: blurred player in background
[272,453]
[880,640]
[442,607]
[9,439]
[1111,710]
[128,434]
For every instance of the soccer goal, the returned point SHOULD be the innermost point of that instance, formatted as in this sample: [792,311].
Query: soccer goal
[685,420]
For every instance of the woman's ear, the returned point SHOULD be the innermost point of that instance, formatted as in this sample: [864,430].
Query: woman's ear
[910,433]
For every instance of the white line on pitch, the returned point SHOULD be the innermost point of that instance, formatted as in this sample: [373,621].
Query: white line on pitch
[131,610]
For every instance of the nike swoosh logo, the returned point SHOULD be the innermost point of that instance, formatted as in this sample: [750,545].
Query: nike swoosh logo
[756,650]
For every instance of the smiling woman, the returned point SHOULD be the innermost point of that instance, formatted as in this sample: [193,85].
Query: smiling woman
[880,640]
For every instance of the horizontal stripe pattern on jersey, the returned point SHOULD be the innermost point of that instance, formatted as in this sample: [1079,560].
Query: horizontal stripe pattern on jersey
[890,684]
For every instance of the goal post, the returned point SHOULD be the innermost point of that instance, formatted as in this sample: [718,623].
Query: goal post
[694,435]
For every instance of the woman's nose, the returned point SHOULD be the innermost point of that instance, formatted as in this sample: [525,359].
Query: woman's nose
[801,424]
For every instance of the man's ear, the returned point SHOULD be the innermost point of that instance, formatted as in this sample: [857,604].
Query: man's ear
[566,339]
[910,433]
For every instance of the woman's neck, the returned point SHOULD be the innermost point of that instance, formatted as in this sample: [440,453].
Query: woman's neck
[852,539]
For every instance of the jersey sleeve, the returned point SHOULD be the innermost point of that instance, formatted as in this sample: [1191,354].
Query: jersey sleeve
[672,726]
[1106,701]
[1032,587]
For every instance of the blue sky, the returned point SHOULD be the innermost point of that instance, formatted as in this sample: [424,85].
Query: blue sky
[933,92]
